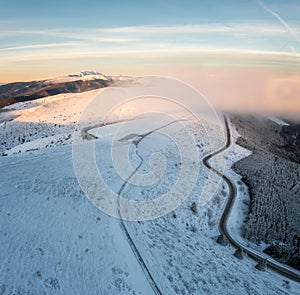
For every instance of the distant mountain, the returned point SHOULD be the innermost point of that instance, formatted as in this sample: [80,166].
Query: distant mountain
[74,83]
[89,73]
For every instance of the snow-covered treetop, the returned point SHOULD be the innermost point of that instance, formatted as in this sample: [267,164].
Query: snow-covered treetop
[91,74]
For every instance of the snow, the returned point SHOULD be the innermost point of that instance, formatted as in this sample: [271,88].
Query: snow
[240,208]
[277,120]
[42,123]
[86,73]
[84,76]
[53,240]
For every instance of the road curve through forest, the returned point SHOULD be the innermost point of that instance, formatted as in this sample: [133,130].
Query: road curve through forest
[223,226]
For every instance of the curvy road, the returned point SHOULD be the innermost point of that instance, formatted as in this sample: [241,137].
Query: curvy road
[88,136]
[136,252]
[223,224]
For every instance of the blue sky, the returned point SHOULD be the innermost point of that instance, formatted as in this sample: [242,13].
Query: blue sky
[130,13]
[50,36]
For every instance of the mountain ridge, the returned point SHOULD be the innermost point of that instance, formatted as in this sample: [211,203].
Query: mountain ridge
[14,92]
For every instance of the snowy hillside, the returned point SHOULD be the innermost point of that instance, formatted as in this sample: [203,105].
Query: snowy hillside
[42,123]
[11,93]
[53,240]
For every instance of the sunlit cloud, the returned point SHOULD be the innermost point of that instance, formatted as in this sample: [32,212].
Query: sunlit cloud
[258,28]
[187,29]
[163,51]
[258,38]
[242,53]
[80,34]
[41,46]
[283,91]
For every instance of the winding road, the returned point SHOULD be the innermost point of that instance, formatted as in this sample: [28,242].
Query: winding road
[139,137]
[223,224]
[135,250]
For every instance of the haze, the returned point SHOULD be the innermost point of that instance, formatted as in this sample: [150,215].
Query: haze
[241,55]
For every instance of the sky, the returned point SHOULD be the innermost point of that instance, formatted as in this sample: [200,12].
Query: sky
[43,39]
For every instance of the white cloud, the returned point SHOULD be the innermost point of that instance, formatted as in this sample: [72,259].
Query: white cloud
[80,34]
[150,53]
[287,27]
[41,46]
[109,34]
[209,28]
[146,41]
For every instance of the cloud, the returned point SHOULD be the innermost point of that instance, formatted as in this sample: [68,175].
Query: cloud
[92,33]
[162,51]
[187,29]
[149,42]
[280,19]
[41,46]
[251,35]
[80,34]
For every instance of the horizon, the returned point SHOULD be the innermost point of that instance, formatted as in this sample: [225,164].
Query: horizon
[234,51]
[150,147]
[38,40]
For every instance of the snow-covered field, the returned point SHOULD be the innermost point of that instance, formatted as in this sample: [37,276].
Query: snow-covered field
[42,123]
[53,240]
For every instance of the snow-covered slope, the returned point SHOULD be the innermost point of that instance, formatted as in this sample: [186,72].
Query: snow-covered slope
[54,241]
[11,93]
[42,123]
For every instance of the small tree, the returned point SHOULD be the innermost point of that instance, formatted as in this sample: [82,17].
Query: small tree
[261,265]
[286,284]
[194,208]
[239,253]
[222,240]
[193,228]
